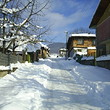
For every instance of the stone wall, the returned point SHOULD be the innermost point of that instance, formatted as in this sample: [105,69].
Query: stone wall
[103,63]
[88,62]
[6,59]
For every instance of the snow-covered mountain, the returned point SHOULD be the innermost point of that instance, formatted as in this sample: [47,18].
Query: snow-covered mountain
[54,47]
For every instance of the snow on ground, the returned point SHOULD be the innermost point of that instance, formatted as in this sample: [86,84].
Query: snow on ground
[55,84]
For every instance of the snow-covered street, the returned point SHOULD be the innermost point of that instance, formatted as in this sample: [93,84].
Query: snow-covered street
[55,84]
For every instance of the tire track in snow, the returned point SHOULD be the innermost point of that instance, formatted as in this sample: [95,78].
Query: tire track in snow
[64,89]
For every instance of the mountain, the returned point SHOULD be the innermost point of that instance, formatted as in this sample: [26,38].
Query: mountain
[54,47]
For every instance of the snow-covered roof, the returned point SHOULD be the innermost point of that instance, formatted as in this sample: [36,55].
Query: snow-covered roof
[30,47]
[87,58]
[63,49]
[83,35]
[43,45]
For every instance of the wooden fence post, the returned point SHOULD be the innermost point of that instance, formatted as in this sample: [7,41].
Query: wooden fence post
[9,71]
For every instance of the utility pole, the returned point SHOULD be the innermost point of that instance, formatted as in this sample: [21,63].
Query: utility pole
[4,32]
[66,44]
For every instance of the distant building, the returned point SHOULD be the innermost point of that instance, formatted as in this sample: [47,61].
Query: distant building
[55,47]
[34,51]
[101,22]
[62,52]
[82,44]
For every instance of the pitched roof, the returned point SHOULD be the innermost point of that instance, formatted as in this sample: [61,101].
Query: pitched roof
[99,12]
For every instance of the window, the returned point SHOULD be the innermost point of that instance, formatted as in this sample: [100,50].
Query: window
[94,42]
[79,50]
[80,41]
[38,51]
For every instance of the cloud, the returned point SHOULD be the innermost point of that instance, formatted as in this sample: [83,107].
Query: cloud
[67,12]
[59,20]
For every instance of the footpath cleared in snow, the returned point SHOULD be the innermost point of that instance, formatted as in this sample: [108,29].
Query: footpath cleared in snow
[55,84]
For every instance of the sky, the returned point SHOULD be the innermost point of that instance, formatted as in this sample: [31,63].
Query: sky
[68,15]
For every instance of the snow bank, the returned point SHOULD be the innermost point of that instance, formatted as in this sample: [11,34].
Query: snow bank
[4,67]
[90,58]
[55,84]
[12,65]
[29,47]
[101,58]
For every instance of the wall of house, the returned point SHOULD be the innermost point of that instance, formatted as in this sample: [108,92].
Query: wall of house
[70,44]
[103,31]
[43,53]
[101,50]
[103,34]
[108,47]
[91,52]
[71,53]
[5,60]
[103,26]
[73,42]
[88,42]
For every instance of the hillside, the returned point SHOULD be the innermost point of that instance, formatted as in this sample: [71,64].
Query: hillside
[54,47]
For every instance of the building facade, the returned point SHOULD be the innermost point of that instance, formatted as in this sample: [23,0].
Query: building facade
[81,44]
[101,22]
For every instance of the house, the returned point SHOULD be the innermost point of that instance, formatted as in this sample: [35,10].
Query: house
[101,22]
[28,51]
[32,51]
[43,52]
[62,52]
[81,44]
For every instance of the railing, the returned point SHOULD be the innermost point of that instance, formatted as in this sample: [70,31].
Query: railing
[6,59]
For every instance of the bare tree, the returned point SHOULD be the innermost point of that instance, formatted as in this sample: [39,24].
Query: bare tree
[21,18]
[82,30]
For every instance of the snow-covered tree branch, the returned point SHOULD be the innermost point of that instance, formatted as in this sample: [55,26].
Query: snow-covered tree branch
[19,19]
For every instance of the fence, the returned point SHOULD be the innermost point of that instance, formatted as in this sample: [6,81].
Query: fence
[6,59]
[103,63]
[88,62]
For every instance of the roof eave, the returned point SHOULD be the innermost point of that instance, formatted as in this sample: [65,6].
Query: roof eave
[99,12]
[92,27]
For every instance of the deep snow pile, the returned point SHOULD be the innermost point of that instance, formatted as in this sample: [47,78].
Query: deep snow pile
[55,84]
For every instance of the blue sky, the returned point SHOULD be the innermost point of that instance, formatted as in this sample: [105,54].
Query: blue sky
[68,15]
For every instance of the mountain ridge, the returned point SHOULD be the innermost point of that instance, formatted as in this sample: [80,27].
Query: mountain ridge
[54,47]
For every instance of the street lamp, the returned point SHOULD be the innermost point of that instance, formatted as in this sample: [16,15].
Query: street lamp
[66,44]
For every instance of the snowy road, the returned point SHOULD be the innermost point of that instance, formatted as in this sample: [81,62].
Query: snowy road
[56,84]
